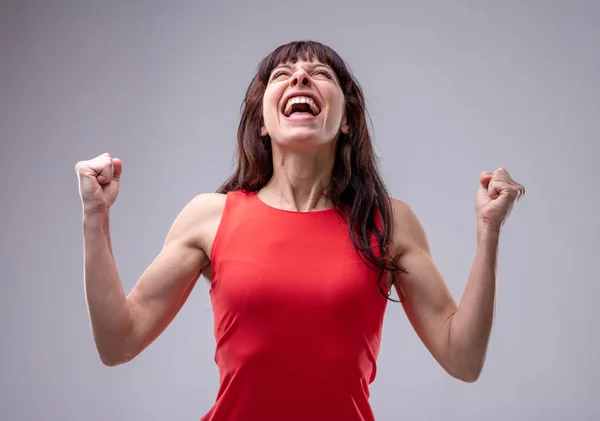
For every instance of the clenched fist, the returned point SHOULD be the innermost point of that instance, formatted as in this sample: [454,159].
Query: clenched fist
[99,182]
[496,197]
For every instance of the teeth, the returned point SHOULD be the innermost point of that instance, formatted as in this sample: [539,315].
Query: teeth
[301,100]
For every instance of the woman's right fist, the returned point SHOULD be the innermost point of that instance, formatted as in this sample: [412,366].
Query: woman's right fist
[99,182]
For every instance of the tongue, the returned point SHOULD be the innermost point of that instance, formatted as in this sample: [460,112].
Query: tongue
[301,115]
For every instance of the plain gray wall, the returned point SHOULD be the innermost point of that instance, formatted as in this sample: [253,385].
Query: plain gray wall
[453,88]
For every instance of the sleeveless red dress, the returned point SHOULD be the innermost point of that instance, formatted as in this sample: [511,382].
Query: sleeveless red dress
[297,316]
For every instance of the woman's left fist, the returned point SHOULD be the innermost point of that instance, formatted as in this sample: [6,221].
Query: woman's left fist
[496,197]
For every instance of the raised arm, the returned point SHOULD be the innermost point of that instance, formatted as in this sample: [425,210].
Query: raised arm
[456,335]
[124,325]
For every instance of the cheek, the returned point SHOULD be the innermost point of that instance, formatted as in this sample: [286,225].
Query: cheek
[338,106]
[335,98]
[269,104]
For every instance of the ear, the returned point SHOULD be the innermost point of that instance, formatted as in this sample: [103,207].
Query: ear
[263,131]
[344,128]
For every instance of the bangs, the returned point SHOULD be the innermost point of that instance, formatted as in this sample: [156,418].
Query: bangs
[303,51]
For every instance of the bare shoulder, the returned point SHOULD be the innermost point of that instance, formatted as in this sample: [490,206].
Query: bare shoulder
[165,285]
[407,231]
[200,219]
[205,205]
[206,211]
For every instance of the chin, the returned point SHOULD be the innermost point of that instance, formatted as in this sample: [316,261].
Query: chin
[301,138]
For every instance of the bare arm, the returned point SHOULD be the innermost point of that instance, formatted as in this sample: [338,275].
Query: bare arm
[456,335]
[123,326]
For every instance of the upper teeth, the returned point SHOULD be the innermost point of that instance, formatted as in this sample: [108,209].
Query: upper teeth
[301,100]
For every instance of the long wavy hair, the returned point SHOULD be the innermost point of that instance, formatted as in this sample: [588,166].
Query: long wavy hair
[357,190]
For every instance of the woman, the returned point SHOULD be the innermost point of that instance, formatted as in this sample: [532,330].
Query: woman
[302,246]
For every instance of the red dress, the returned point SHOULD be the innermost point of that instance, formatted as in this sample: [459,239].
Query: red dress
[297,316]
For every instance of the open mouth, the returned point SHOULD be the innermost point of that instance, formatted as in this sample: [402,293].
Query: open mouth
[301,105]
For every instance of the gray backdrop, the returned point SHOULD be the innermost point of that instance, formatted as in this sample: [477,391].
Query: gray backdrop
[453,88]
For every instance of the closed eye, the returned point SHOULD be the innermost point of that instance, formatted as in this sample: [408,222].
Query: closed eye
[279,73]
[324,73]
[317,72]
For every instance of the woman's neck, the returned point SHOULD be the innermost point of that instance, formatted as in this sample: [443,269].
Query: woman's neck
[300,181]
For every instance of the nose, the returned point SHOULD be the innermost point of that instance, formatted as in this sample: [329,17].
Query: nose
[300,78]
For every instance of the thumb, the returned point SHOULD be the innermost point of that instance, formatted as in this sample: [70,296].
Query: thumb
[118,168]
[485,178]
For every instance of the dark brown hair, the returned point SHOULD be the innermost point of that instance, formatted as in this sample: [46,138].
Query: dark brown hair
[357,190]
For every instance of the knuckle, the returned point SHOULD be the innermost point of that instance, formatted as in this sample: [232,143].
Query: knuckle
[80,166]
